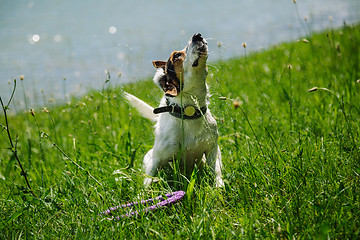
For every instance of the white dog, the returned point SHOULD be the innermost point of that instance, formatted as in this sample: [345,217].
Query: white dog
[184,127]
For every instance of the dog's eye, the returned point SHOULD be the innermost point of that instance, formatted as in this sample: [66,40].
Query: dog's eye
[176,55]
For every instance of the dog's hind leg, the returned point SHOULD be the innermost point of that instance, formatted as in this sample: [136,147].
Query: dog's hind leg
[213,159]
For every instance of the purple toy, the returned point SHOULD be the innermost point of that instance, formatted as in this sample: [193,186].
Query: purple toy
[172,198]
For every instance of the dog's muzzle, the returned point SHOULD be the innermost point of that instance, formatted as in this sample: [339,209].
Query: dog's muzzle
[197,37]
[199,47]
[200,44]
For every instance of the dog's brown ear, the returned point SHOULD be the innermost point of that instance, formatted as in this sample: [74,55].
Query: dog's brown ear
[159,64]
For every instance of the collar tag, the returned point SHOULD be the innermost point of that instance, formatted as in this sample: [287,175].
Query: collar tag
[189,111]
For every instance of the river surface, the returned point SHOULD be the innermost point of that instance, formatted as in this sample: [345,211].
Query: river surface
[64,47]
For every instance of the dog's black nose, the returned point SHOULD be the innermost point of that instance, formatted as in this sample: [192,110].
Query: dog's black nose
[197,37]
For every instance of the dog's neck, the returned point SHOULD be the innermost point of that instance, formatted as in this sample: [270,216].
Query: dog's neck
[192,95]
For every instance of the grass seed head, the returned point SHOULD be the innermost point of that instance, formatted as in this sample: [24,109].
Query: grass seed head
[244,44]
[305,40]
[338,47]
[236,104]
[313,89]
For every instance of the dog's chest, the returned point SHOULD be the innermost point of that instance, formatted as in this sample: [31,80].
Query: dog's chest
[195,137]
[197,134]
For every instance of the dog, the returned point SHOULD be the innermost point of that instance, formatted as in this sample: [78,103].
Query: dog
[184,126]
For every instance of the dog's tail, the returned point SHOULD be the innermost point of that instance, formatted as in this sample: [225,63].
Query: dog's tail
[144,109]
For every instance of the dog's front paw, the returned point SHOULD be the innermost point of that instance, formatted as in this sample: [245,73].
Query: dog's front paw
[147,181]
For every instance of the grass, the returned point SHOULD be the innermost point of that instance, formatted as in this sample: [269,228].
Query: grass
[291,157]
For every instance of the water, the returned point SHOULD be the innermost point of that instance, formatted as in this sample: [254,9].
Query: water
[64,47]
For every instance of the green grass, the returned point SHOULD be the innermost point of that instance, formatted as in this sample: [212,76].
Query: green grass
[291,157]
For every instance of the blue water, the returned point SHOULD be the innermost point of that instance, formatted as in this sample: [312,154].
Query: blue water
[64,47]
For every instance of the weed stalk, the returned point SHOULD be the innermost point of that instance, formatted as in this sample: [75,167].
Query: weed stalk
[182,150]
[69,158]
[307,33]
[341,104]
[257,140]
[12,146]
[255,81]
[23,88]
[290,97]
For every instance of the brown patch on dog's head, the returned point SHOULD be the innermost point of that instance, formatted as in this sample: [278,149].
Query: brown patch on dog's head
[172,81]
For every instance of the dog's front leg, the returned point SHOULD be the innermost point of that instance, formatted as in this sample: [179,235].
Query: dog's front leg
[155,159]
[150,167]
[213,159]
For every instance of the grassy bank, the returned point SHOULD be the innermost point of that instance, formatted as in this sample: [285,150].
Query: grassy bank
[291,156]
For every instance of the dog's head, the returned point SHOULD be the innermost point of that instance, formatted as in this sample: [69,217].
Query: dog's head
[183,67]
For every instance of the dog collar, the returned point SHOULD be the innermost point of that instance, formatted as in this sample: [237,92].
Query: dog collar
[187,112]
